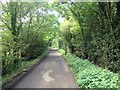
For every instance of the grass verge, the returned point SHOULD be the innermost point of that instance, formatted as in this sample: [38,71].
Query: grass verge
[89,75]
[25,66]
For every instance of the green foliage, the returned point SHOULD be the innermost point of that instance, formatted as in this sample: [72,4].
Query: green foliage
[9,58]
[90,76]
[28,29]
[62,51]
[69,30]
[24,66]
[89,31]
[96,35]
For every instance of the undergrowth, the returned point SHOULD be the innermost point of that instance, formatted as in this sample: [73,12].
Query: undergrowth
[25,66]
[89,75]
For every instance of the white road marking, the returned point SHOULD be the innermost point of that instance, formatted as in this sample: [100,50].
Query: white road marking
[66,69]
[46,76]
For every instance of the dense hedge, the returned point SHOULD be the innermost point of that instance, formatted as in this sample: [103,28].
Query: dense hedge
[24,39]
[96,35]
[24,66]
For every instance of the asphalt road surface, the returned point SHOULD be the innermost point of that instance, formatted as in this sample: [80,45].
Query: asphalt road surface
[52,72]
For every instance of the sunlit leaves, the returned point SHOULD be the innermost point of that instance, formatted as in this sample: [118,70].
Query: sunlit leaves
[28,30]
[95,36]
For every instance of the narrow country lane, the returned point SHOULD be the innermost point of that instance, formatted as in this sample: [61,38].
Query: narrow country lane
[53,72]
[87,32]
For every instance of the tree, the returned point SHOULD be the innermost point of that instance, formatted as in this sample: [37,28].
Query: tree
[98,34]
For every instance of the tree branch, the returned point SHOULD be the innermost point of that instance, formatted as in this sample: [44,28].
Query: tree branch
[6,24]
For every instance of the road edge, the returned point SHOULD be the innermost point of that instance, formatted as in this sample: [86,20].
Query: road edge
[69,68]
[21,75]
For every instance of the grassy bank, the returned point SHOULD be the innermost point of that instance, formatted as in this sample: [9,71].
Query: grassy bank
[89,75]
[25,66]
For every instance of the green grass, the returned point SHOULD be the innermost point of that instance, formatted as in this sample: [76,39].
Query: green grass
[89,75]
[25,66]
